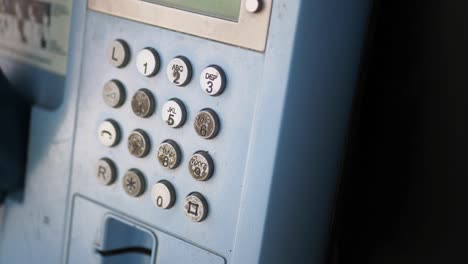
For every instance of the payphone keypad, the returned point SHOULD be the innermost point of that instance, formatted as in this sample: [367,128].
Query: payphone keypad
[183,109]
[173,113]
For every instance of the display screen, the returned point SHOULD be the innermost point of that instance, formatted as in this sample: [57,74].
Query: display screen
[224,9]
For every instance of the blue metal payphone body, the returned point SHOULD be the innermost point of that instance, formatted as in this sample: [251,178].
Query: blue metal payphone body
[187,134]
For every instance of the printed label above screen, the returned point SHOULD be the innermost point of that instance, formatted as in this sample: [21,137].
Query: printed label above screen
[224,9]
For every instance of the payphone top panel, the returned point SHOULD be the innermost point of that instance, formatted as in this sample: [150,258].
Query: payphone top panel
[242,23]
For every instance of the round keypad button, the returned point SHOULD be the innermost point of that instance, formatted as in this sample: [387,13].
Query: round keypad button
[213,80]
[109,133]
[163,195]
[207,124]
[113,93]
[179,71]
[118,53]
[169,154]
[174,113]
[138,143]
[134,183]
[148,62]
[201,166]
[143,103]
[106,171]
[195,207]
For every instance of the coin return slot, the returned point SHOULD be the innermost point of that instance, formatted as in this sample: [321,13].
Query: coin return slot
[125,242]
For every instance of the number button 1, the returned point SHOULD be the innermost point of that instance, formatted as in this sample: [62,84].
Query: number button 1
[174,113]
[148,62]
[213,80]
[179,71]
[163,195]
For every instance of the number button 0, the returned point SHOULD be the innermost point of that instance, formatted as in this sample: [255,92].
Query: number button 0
[179,71]
[174,113]
[148,62]
[213,80]
[163,195]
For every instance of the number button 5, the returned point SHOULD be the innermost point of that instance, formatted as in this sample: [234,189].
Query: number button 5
[174,113]
[163,195]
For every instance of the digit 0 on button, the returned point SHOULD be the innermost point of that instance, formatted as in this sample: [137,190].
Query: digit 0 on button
[213,80]
[163,195]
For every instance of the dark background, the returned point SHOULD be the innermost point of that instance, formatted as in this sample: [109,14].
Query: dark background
[404,194]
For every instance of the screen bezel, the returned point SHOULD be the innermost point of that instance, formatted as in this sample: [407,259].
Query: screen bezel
[250,31]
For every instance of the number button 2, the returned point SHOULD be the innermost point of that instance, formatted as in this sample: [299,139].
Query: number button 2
[163,195]
[148,62]
[213,80]
[179,71]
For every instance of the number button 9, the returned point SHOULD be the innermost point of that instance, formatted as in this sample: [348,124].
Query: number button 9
[179,71]
[148,62]
[163,195]
[213,80]
[174,113]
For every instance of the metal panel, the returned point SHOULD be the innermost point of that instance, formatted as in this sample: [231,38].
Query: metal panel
[249,32]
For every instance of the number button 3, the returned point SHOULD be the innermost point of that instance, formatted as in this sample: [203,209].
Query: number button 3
[213,80]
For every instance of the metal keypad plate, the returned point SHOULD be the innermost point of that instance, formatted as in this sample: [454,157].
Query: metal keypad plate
[228,149]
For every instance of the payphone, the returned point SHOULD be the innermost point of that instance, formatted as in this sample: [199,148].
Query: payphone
[188,132]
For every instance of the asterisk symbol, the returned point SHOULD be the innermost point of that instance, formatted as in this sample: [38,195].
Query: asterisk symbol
[131,184]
